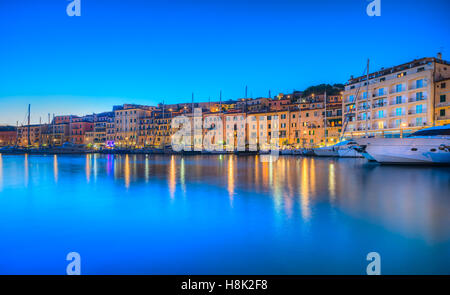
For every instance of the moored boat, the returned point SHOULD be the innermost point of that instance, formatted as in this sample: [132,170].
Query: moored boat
[427,146]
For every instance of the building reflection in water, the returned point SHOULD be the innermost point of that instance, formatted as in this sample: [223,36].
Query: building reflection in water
[127,171]
[147,169]
[183,177]
[95,168]
[304,191]
[172,177]
[55,168]
[1,172]
[332,181]
[109,164]
[230,186]
[88,168]
[26,176]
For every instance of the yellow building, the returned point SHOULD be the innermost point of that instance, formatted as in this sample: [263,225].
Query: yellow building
[400,100]
[442,102]
[127,124]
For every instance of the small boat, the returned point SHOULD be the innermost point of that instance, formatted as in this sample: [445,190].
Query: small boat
[326,151]
[343,149]
[426,146]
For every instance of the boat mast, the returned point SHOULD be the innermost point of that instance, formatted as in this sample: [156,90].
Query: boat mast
[28,135]
[326,135]
[367,94]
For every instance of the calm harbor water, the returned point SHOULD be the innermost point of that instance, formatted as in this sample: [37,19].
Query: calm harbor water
[137,214]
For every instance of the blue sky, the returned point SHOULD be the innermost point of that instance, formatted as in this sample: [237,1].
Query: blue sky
[133,51]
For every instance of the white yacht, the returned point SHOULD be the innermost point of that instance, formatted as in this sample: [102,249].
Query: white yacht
[427,146]
[342,149]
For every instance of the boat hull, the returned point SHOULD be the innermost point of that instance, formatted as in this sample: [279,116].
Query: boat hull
[408,150]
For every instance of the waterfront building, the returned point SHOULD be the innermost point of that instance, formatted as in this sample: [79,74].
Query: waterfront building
[54,134]
[78,131]
[400,99]
[127,123]
[30,135]
[8,135]
[442,102]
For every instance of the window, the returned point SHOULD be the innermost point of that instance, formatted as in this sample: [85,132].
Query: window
[443,85]
[398,87]
[398,111]
[419,96]
[442,98]
[381,91]
[398,123]
[442,113]
[398,100]
[419,83]
[418,121]
[419,109]
[381,114]
[365,95]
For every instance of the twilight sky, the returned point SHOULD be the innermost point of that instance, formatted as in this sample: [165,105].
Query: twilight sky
[137,51]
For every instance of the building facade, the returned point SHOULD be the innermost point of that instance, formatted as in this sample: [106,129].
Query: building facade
[399,101]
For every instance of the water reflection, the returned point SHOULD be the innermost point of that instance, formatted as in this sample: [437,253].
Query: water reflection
[257,204]
[88,168]
[26,172]
[55,168]
[231,177]
[172,177]
[331,181]
[1,172]
[127,171]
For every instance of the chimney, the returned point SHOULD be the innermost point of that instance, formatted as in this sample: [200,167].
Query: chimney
[439,55]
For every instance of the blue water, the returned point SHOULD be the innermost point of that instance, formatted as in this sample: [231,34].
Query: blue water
[142,214]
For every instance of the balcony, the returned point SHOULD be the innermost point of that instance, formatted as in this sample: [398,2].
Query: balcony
[414,112]
[378,117]
[394,102]
[395,114]
[380,104]
[415,99]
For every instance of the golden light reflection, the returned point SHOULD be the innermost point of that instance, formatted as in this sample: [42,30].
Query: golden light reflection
[172,177]
[1,173]
[88,168]
[332,181]
[231,179]
[127,171]
[304,191]
[147,169]
[183,176]
[26,176]
[55,168]
[95,167]
[312,185]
